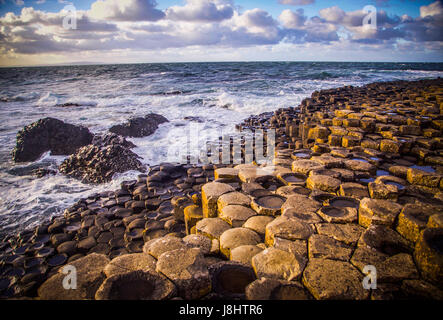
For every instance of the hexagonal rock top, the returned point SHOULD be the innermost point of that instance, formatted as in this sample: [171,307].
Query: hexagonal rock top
[157,247]
[212,227]
[244,253]
[251,174]
[130,262]
[305,166]
[277,264]
[414,218]
[136,285]
[188,270]
[258,224]
[287,228]
[199,241]
[273,289]
[89,277]
[268,205]
[347,233]
[322,182]
[356,165]
[236,237]
[233,198]
[226,173]
[330,279]
[236,215]
[377,211]
[321,246]
[300,203]
[210,194]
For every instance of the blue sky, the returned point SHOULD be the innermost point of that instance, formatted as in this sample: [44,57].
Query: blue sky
[119,31]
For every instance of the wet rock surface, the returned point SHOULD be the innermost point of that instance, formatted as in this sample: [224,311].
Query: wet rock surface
[98,162]
[139,127]
[356,181]
[49,134]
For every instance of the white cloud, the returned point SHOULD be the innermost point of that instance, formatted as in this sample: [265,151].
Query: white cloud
[291,19]
[126,10]
[433,9]
[201,10]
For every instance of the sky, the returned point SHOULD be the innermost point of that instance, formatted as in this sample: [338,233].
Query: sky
[49,32]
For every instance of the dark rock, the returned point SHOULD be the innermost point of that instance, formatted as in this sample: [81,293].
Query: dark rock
[139,127]
[49,134]
[97,165]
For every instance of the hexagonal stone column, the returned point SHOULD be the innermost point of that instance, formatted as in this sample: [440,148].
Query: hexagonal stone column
[210,194]
[429,255]
[335,280]
[236,237]
[377,211]
[321,246]
[287,228]
[212,227]
[136,285]
[236,215]
[130,262]
[232,198]
[414,218]
[273,289]
[187,269]
[89,277]
[277,264]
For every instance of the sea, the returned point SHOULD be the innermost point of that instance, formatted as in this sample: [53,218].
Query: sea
[213,96]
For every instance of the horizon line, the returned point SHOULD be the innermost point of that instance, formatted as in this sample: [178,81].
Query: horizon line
[88,63]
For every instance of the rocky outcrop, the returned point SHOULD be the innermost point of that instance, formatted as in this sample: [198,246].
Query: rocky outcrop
[99,161]
[139,127]
[49,134]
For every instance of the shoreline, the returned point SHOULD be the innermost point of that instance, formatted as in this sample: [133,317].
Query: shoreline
[351,146]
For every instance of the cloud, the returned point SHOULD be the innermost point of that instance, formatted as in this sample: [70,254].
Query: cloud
[201,10]
[138,26]
[296,2]
[433,9]
[291,19]
[126,10]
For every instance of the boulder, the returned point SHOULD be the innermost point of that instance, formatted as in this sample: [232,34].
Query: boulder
[139,127]
[98,163]
[49,134]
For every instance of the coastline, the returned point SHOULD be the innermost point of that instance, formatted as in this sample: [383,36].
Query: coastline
[352,146]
